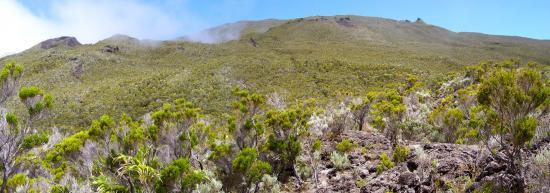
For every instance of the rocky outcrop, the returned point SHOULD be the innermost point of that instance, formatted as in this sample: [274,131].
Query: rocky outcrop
[60,41]
[345,21]
[77,69]
[419,21]
[429,167]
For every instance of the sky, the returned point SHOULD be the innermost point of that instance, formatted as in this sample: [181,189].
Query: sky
[27,22]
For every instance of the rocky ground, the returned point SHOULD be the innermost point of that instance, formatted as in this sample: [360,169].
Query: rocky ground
[435,167]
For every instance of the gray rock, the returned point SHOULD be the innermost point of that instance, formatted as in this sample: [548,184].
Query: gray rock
[426,189]
[500,182]
[491,168]
[409,179]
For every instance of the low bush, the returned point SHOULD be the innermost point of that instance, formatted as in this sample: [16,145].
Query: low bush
[385,164]
[345,146]
[339,161]
[400,153]
[34,140]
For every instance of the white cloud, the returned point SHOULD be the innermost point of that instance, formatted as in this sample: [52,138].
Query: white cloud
[90,21]
[20,28]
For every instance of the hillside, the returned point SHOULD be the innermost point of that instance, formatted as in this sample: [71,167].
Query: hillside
[314,57]
[318,104]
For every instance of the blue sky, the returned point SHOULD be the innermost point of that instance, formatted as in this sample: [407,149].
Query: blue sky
[93,20]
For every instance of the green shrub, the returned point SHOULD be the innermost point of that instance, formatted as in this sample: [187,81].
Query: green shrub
[528,127]
[287,150]
[28,92]
[361,183]
[162,115]
[283,143]
[48,101]
[34,140]
[16,180]
[452,122]
[220,151]
[248,164]
[400,153]
[509,98]
[388,112]
[244,159]
[345,146]
[59,189]
[12,120]
[176,168]
[11,68]
[193,178]
[36,109]
[247,101]
[98,127]
[243,125]
[316,145]
[66,146]
[385,164]
[105,185]
[170,174]
[257,170]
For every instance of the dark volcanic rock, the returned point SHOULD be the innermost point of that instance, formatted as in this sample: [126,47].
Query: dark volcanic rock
[253,42]
[55,42]
[411,165]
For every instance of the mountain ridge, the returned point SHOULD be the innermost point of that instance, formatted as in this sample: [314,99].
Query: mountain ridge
[235,30]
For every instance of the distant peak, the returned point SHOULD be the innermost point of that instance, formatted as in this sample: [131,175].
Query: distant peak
[122,37]
[60,41]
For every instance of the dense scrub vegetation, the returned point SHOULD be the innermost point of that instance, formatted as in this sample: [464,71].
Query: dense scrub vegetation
[297,59]
[256,146]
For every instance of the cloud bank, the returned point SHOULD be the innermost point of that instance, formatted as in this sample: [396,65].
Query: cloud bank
[93,20]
